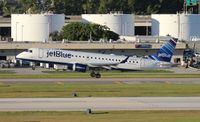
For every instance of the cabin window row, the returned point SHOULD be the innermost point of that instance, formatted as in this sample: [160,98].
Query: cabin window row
[107,59]
[133,61]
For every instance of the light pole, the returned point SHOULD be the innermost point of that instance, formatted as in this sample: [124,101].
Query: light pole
[16,31]
[22,33]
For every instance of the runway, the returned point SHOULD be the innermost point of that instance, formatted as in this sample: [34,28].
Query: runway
[109,81]
[100,104]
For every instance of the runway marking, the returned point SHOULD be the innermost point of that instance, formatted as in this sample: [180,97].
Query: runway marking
[167,82]
[60,82]
[119,82]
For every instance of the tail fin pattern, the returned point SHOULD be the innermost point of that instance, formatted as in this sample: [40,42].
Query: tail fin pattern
[166,52]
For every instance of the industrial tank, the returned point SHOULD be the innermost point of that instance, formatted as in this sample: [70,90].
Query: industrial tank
[165,24]
[35,27]
[182,26]
[122,24]
[189,26]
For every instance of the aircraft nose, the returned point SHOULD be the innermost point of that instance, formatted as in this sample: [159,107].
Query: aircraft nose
[19,56]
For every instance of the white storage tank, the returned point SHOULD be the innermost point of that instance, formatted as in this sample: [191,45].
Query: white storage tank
[165,24]
[189,26]
[35,27]
[122,24]
[182,26]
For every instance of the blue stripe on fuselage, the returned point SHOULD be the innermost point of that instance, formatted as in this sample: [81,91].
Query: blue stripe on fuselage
[33,60]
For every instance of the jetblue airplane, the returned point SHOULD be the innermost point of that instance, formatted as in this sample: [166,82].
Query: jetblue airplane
[82,61]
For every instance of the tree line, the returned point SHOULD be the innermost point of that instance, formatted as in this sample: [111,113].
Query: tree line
[78,7]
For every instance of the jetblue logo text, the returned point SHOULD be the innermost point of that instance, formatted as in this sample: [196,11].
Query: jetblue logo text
[58,54]
[164,55]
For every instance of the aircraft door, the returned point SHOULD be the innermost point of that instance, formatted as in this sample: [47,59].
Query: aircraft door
[40,53]
[142,63]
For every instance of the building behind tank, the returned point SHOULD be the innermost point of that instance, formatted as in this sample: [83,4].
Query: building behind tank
[35,27]
[181,26]
[122,24]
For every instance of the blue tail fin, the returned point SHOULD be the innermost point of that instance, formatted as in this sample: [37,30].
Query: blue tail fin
[166,52]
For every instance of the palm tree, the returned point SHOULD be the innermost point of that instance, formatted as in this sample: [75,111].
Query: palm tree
[8,9]
[31,6]
[1,7]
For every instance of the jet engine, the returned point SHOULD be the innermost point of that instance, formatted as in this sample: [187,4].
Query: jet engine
[78,67]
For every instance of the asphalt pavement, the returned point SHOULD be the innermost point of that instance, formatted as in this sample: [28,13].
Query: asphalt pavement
[100,104]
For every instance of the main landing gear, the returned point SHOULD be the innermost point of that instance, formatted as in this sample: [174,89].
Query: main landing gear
[94,74]
[33,67]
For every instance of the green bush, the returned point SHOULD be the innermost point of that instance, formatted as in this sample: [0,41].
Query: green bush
[85,31]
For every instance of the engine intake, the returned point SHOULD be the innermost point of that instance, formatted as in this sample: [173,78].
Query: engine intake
[78,67]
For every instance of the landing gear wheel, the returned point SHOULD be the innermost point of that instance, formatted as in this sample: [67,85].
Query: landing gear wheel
[93,74]
[33,67]
[98,75]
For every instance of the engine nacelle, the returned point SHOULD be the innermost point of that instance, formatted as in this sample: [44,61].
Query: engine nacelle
[78,67]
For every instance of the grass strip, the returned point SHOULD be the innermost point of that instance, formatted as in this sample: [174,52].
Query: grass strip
[108,116]
[64,90]
[7,72]
[104,75]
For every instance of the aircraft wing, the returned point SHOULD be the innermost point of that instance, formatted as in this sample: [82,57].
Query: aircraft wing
[101,64]
[166,64]
[107,64]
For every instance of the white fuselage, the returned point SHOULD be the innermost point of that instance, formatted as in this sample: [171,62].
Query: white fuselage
[108,61]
